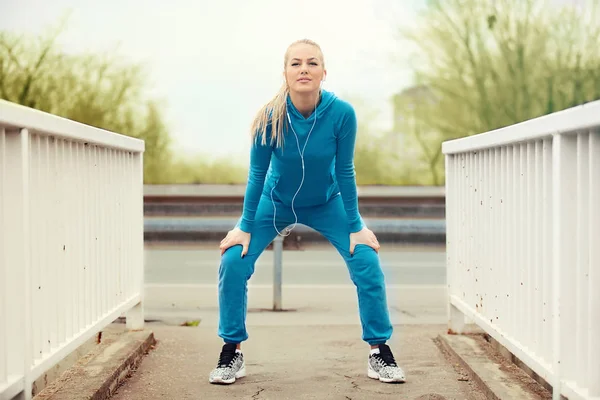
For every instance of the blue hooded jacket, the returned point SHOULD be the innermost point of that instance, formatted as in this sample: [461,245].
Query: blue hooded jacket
[328,162]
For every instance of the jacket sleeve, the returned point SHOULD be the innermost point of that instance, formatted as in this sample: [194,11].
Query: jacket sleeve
[344,169]
[260,159]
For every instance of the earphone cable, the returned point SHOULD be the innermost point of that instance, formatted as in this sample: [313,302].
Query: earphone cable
[301,152]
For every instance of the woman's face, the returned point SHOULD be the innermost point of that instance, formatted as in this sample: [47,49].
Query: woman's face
[304,69]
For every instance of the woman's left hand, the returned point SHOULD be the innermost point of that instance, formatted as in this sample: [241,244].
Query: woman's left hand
[364,236]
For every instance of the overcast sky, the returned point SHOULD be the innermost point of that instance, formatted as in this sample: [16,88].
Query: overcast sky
[216,62]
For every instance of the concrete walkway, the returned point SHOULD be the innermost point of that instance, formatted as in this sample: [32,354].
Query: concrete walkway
[295,362]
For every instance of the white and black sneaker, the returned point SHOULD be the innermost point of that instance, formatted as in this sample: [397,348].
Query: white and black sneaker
[230,367]
[382,366]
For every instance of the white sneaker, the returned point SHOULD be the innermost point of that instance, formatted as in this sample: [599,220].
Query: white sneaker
[382,366]
[230,366]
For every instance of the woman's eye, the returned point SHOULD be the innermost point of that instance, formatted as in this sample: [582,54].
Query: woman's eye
[295,64]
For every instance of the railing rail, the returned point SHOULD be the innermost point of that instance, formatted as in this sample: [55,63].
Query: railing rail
[71,239]
[523,243]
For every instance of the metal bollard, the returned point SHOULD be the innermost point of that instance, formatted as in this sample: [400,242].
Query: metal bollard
[277,261]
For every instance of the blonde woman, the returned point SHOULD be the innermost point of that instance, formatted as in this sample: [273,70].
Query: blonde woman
[302,171]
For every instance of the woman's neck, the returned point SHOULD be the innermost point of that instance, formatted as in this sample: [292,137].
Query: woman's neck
[305,103]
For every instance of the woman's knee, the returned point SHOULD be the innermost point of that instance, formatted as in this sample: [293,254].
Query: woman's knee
[365,255]
[365,265]
[234,265]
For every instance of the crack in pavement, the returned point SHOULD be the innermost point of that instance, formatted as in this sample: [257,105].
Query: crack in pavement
[260,390]
[353,382]
[357,387]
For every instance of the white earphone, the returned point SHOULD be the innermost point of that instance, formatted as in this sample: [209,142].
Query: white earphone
[301,152]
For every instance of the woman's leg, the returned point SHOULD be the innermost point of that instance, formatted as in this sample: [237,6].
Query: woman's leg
[364,267]
[365,271]
[235,271]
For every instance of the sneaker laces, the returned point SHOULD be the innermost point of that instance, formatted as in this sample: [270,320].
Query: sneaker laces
[227,356]
[385,353]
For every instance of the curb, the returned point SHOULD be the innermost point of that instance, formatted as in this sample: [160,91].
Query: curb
[98,375]
[493,378]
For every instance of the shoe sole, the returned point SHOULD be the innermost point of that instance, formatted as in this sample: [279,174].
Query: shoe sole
[375,375]
[218,380]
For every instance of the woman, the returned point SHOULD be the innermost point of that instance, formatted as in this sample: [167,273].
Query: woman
[302,171]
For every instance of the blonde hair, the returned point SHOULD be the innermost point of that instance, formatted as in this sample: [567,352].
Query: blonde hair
[273,113]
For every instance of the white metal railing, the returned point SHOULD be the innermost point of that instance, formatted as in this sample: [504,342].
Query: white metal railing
[71,239]
[523,243]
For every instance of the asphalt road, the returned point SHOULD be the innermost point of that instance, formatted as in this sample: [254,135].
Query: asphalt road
[314,266]
[181,284]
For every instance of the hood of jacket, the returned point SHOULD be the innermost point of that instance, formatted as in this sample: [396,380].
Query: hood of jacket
[327,99]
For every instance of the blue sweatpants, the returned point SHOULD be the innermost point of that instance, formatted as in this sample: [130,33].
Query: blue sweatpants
[328,219]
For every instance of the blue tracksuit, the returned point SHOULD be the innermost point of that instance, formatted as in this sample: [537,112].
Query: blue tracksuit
[327,202]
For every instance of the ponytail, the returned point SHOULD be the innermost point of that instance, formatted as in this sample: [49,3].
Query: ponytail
[273,114]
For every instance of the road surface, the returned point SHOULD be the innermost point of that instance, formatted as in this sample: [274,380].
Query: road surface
[181,285]
[315,266]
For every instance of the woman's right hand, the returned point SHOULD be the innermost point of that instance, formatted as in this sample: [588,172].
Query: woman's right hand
[235,236]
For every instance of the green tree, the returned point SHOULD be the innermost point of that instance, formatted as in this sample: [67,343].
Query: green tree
[93,89]
[374,160]
[422,142]
[101,91]
[490,64]
[195,170]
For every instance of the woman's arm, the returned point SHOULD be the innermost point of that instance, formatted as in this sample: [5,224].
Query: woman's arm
[260,159]
[344,169]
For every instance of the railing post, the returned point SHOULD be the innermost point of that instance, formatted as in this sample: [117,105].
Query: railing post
[593,346]
[16,253]
[564,161]
[456,318]
[277,261]
[135,316]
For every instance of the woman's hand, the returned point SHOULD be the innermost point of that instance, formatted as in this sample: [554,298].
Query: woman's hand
[235,236]
[364,236]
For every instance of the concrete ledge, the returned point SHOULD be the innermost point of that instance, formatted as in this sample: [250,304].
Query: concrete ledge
[510,357]
[499,381]
[97,375]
